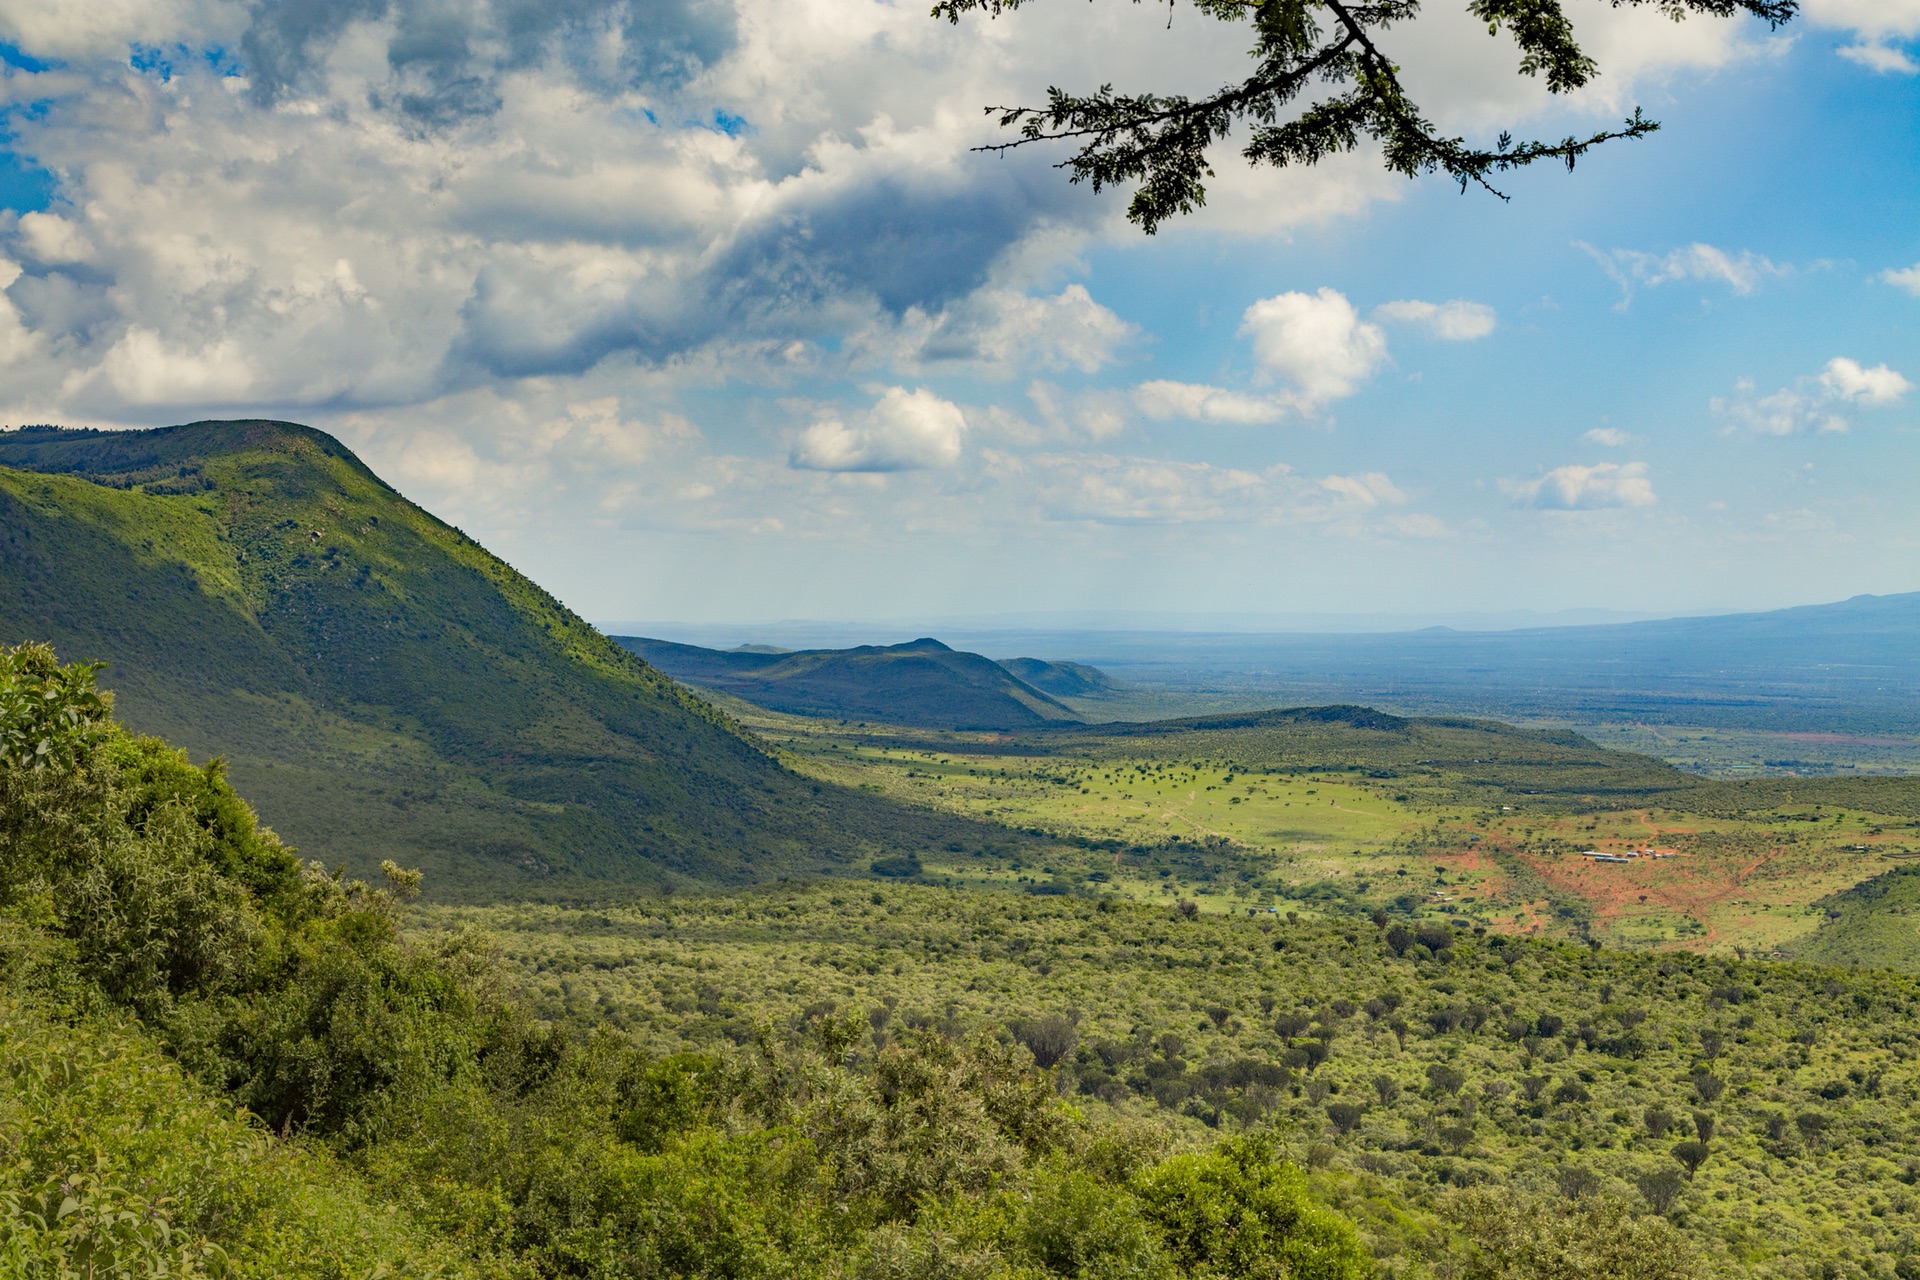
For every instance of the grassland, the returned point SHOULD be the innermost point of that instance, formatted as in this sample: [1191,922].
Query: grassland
[1479,824]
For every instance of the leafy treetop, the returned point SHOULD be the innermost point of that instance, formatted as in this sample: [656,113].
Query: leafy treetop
[1161,142]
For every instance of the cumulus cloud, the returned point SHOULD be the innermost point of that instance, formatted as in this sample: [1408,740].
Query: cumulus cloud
[1845,379]
[1868,19]
[1198,402]
[523,191]
[1631,268]
[1611,437]
[1907,278]
[1876,26]
[1316,341]
[1816,404]
[1455,321]
[1584,488]
[904,431]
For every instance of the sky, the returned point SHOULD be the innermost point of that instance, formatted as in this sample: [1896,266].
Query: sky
[708,310]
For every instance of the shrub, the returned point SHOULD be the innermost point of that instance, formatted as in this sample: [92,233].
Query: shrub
[1238,1212]
[1517,1237]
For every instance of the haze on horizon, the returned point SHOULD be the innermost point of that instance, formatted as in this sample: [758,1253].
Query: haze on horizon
[704,310]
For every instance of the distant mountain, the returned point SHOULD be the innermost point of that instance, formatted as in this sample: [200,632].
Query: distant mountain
[921,683]
[380,684]
[1847,667]
[1061,679]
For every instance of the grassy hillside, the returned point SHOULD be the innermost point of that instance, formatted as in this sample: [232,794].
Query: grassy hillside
[1875,924]
[381,685]
[922,683]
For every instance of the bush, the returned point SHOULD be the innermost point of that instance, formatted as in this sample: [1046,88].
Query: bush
[1239,1212]
[1507,1236]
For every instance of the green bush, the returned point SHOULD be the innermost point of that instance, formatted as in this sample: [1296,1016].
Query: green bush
[1237,1213]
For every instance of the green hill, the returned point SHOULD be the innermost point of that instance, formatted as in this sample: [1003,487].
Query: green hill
[1061,679]
[1875,924]
[380,684]
[922,683]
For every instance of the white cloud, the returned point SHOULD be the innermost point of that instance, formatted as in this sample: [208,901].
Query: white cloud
[1316,341]
[525,192]
[1876,26]
[1064,415]
[1883,58]
[1701,262]
[1611,437]
[904,431]
[1844,379]
[1784,412]
[1907,278]
[1584,488]
[1455,321]
[1869,19]
[1198,402]
[1002,332]
[146,369]
[51,240]
[1370,489]
[1812,404]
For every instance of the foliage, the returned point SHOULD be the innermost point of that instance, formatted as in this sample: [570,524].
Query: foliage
[1234,1213]
[1322,85]
[145,911]
[48,712]
[1525,1238]
[1538,1068]
[113,1164]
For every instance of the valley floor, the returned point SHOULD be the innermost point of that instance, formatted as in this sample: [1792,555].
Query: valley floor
[1162,819]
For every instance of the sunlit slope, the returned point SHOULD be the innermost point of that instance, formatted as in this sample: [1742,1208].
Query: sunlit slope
[382,684]
[1445,759]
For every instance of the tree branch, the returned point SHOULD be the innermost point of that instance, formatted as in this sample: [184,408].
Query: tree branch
[1161,143]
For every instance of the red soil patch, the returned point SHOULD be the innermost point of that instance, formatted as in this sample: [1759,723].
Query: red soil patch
[1695,886]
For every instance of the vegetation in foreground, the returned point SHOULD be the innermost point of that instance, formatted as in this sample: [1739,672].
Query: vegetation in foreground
[1765,1109]
[401,1113]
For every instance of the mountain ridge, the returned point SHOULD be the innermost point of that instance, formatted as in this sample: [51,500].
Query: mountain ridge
[380,683]
[922,683]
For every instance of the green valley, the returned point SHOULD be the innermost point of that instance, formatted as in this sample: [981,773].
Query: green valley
[702,989]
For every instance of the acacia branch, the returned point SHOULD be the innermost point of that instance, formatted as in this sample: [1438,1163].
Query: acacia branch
[1161,143]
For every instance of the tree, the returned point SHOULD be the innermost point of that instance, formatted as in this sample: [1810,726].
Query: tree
[1345,1115]
[1692,1154]
[1445,1079]
[1322,83]
[1049,1039]
[1661,1189]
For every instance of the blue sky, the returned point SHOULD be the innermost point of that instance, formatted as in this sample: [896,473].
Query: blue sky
[703,309]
